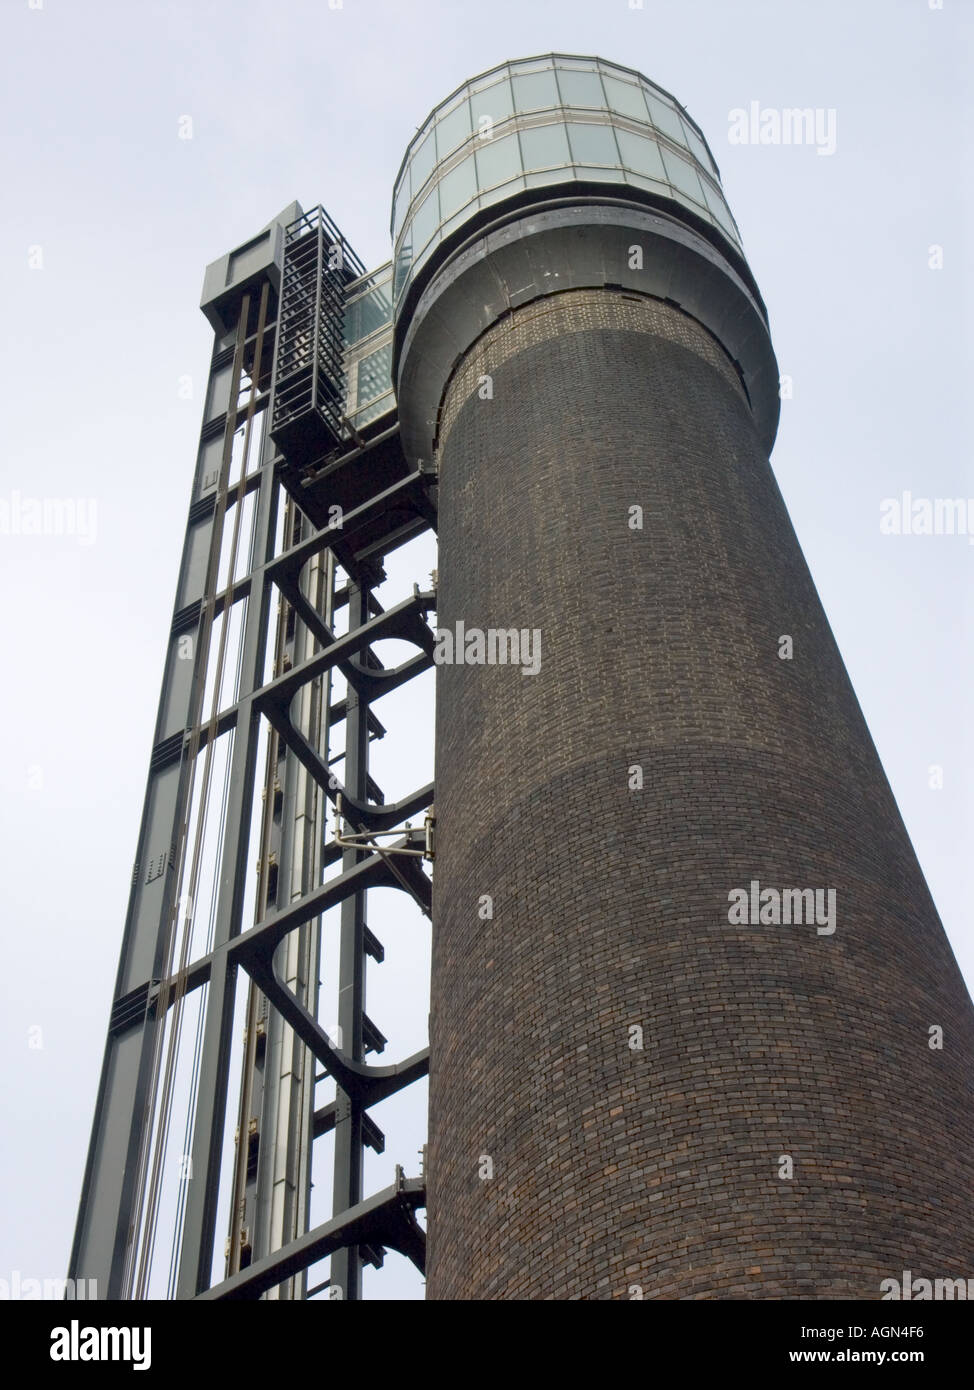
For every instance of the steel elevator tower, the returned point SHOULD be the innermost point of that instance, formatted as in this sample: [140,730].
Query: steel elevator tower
[566,372]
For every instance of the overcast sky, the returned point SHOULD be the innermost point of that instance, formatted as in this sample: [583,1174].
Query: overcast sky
[109,220]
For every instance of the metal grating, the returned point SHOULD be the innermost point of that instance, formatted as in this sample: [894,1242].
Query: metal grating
[309,375]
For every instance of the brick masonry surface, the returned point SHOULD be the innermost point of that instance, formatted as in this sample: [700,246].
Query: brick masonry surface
[615,1169]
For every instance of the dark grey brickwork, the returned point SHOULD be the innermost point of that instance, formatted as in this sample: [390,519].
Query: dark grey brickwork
[658,1168]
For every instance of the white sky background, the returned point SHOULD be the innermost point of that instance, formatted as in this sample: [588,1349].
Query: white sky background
[292,99]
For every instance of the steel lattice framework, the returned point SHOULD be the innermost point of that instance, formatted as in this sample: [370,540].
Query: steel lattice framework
[288,525]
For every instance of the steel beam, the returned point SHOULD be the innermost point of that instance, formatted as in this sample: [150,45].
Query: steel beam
[384,1219]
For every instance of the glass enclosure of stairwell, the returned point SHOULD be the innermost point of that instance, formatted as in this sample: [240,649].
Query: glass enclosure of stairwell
[368,347]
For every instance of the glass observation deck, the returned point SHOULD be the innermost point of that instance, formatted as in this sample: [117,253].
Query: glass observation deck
[546,121]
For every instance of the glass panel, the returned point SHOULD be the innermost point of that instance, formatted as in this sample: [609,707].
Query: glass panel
[651,185]
[399,211]
[422,163]
[641,154]
[593,144]
[367,313]
[664,118]
[489,78]
[581,89]
[682,175]
[453,130]
[450,104]
[423,256]
[426,218]
[457,220]
[505,190]
[403,262]
[695,207]
[601,175]
[697,147]
[374,374]
[532,65]
[625,98]
[713,196]
[495,102]
[497,161]
[714,200]
[535,91]
[550,176]
[719,209]
[545,145]
[378,407]
[458,187]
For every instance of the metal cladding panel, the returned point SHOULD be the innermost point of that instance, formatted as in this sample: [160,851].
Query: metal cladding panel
[175,712]
[617,1065]
[242,269]
[535,255]
[507,260]
[99,1245]
[152,882]
[585,260]
[193,577]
